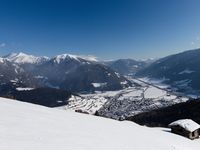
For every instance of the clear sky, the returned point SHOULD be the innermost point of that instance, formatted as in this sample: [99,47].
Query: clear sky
[108,29]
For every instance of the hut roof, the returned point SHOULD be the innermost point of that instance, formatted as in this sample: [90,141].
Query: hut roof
[187,124]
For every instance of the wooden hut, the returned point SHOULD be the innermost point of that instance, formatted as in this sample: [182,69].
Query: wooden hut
[185,127]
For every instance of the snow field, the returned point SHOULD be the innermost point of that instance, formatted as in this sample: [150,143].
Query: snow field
[26,126]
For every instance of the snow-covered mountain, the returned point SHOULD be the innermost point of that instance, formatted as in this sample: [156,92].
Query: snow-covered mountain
[126,66]
[22,58]
[2,60]
[68,72]
[27,126]
[14,74]
[68,57]
[79,74]
[181,71]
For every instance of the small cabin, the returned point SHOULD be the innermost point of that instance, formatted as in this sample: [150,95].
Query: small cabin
[186,127]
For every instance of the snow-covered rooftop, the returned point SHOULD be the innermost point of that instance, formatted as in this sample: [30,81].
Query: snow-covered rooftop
[187,124]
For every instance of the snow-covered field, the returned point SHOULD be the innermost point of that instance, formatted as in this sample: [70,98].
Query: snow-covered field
[123,103]
[26,126]
[24,89]
[180,85]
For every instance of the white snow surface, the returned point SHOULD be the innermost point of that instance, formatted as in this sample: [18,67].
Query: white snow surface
[23,58]
[154,92]
[187,124]
[96,85]
[89,58]
[124,82]
[60,58]
[186,71]
[26,126]
[183,83]
[24,89]
[156,82]
[1,60]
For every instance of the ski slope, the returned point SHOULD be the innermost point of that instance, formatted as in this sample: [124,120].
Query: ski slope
[26,126]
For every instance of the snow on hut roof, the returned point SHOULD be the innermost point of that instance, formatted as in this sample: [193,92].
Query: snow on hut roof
[187,124]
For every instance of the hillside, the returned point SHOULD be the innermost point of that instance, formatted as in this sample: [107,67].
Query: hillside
[181,71]
[164,116]
[26,126]
[67,72]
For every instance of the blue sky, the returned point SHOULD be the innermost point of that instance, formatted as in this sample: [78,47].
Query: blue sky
[108,29]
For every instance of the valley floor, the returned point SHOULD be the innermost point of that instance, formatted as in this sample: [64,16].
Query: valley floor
[26,126]
[124,103]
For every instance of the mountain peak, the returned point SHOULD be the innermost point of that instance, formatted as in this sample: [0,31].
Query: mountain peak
[23,58]
[78,58]
[62,57]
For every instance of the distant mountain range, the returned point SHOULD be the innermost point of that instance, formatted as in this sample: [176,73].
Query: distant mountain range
[67,72]
[85,74]
[127,66]
[55,82]
[22,58]
[181,71]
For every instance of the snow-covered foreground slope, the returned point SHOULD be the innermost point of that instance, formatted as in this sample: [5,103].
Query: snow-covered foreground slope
[26,126]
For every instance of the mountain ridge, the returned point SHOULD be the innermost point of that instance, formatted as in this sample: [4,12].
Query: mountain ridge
[68,72]
[181,71]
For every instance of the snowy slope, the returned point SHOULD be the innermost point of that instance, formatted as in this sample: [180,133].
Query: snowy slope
[26,126]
